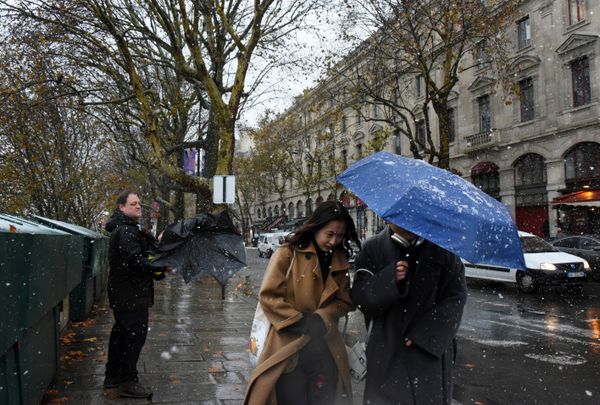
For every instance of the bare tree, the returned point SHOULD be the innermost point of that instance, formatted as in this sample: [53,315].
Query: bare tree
[422,46]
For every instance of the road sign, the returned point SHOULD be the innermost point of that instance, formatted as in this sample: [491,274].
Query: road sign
[224,189]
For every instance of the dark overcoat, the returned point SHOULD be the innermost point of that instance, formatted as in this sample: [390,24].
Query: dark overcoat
[426,309]
[130,282]
[293,284]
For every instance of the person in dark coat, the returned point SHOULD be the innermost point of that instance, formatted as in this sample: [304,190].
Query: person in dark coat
[414,292]
[130,294]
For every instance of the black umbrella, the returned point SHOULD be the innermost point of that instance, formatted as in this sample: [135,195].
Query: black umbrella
[208,244]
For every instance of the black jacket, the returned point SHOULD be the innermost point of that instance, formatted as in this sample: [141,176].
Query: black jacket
[130,279]
[427,311]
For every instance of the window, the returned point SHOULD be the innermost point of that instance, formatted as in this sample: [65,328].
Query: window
[420,84]
[524,33]
[344,159]
[451,125]
[589,244]
[580,78]
[359,117]
[567,243]
[421,134]
[344,124]
[481,53]
[576,11]
[530,170]
[526,98]
[583,162]
[484,175]
[484,114]
[397,141]
[359,151]
[375,110]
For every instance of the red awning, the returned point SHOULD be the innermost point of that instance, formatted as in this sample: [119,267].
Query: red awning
[589,198]
[484,168]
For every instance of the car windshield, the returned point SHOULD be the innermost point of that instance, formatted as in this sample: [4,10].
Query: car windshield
[534,244]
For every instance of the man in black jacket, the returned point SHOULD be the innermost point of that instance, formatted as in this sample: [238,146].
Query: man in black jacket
[130,294]
[414,292]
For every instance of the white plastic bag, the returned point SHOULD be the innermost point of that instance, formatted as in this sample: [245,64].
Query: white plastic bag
[261,326]
[357,357]
[258,334]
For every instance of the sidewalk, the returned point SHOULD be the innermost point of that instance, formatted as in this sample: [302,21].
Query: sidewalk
[196,351]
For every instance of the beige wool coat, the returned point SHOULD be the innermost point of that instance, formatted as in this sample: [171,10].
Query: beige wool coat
[293,284]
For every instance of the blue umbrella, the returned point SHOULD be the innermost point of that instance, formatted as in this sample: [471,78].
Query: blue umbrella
[438,206]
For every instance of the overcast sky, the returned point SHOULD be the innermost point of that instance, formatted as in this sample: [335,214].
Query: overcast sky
[282,85]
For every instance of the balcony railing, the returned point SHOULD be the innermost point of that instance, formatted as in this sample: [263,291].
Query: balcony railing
[481,140]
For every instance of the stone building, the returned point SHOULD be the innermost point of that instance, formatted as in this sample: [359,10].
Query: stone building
[539,154]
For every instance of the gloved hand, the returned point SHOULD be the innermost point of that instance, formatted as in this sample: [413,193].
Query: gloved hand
[158,273]
[310,324]
[315,327]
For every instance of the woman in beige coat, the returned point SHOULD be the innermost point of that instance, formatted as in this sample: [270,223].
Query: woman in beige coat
[304,292]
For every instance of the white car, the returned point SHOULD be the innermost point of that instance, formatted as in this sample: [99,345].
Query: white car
[269,242]
[546,265]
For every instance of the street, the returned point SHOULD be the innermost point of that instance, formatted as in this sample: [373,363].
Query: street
[517,348]
[521,349]
[513,348]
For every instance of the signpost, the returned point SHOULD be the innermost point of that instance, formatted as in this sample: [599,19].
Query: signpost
[223,189]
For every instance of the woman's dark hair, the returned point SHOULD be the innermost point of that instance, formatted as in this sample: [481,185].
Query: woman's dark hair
[122,197]
[326,212]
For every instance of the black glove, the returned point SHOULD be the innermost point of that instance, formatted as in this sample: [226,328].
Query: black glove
[315,327]
[310,324]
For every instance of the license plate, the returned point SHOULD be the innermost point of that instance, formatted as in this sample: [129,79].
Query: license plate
[576,274]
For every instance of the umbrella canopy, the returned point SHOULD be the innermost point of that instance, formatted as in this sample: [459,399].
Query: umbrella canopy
[208,244]
[438,206]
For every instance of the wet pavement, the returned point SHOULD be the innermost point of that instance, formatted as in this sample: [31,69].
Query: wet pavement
[539,348]
[195,353]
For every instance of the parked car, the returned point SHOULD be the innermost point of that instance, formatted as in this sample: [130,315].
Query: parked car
[269,242]
[546,265]
[587,247]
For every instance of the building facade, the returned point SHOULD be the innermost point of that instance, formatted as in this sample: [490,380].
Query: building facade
[539,154]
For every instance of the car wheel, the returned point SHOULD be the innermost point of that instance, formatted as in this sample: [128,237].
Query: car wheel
[526,283]
[269,254]
[260,254]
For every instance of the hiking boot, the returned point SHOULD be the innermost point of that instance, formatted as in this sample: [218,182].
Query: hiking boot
[111,381]
[133,389]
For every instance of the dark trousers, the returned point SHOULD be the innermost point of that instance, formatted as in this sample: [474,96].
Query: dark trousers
[127,338]
[313,381]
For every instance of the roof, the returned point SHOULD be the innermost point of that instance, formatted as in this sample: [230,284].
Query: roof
[68,227]
[589,198]
[13,224]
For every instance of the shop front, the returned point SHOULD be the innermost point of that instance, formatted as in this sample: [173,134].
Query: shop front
[579,212]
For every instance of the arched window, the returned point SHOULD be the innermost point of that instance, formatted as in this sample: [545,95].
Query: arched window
[270,211]
[319,200]
[264,212]
[282,209]
[258,213]
[276,211]
[331,197]
[299,209]
[308,207]
[290,210]
[530,170]
[485,176]
[582,163]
